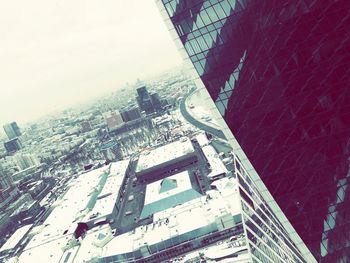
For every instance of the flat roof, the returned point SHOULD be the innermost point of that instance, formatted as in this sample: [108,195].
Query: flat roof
[107,198]
[91,245]
[165,154]
[217,166]
[58,228]
[199,213]
[46,252]
[202,139]
[162,119]
[68,209]
[12,259]
[195,214]
[158,232]
[99,242]
[13,241]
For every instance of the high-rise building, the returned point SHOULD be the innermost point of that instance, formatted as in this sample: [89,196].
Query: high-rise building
[278,72]
[130,114]
[12,130]
[156,102]
[13,145]
[144,100]
[113,119]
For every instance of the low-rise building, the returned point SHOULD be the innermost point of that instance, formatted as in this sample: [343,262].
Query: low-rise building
[216,166]
[104,204]
[198,223]
[131,114]
[15,240]
[92,199]
[26,213]
[164,160]
[13,145]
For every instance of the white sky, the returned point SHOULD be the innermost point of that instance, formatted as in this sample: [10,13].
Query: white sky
[55,53]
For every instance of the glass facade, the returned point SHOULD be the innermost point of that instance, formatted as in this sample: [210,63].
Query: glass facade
[12,130]
[268,240]
[144,100]
[278,72]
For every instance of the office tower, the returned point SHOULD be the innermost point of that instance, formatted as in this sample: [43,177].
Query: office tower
[130,114]
[144,100]
[12,130]
[113,119]
[156,102]
[278,72]
[13,145]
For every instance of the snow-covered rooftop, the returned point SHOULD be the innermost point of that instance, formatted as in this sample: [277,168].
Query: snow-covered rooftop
[165,154]
[217,166]
[58,228]
[16,238]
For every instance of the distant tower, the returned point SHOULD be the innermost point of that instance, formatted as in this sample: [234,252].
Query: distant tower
[113,119]
[144,100]
[12,130]
[13,145]
[131,114]
[156,102]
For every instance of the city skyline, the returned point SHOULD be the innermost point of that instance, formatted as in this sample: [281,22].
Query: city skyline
[127,192]
[70,53]
[114,140]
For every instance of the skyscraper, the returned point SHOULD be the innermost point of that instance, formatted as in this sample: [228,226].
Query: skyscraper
[144,100]
[13,145]
[113,119]
[12,130]
[278,72]
[130,114]
[156,101]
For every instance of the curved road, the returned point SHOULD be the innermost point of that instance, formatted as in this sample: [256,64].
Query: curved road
[205,127]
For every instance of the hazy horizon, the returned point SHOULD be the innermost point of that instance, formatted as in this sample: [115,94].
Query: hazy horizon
[58,54]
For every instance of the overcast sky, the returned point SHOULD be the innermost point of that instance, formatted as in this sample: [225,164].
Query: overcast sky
[55,53]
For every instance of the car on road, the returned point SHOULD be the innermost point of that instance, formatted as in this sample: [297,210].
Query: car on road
[127,213]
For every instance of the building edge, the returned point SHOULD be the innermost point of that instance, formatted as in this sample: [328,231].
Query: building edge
[233,142]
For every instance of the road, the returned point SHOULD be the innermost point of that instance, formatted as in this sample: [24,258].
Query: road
[199,124]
